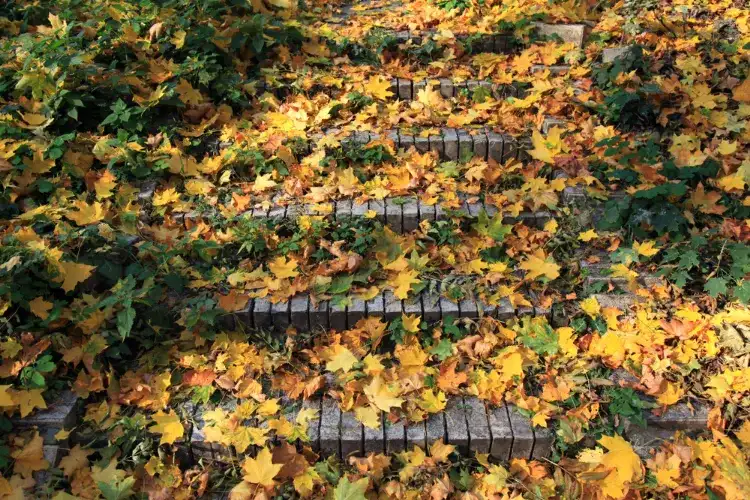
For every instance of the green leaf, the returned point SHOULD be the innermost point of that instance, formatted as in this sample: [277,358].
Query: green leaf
[715,287]
[742,292]
[443,349]
[350,491]
[125,320]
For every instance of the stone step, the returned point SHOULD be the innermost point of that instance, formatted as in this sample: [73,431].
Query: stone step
[401,214]
[407,89]
[306,315]
[61,413]
[467,422]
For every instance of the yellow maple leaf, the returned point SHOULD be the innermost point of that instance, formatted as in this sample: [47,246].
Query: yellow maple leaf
[76,459]
[402,283]
[29,400]
[261,470]
[671,394]
[411,322]
[647,248]
[40,307]
[741,92]
[378,87]
[168,425]
[340,358]
[86,214]
[263,183]
[591,307]
[305,482]
[624,464]
[588,236]
[368,415]
[6,398]
[439,451]
[30,458]
[281,267]
[74,273]
[104,185]
[187,93]
[538,264]
[166,197]
[383,396]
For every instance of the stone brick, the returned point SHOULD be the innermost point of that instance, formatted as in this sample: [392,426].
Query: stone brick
[406,141]
[280,316]
[300,313]
[343,209]
[495,146]
[410,211]
[480,145]
[376,306]
[505,309]
[468,308]
[502,433]
[395,436]
[448,308]
[416,435]
[569,33]
[330,422]
[319,315]
[313,426]
[480,437]
[378,206]
[435,428]
[426,212]
[465,144]
[457,430]
[422,144]
[612,54]
[392,306]
[446,88]
[394,216]
[431,306]
[355,312]
[336,316]
[523,435]
[351,435]
[262,313]
[359,209]
[543,441]
[450,144]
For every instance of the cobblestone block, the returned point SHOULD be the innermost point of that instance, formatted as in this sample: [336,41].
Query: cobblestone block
[330,425]
[457,430]
[502,433]
[480,437]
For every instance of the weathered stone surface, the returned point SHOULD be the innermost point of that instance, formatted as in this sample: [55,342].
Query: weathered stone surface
[394,215]
[374,439]
[377,206]
[416,435]
[351,435]
[446,88]
[495,146]
[406,141]
[450,143]
[480,145]
[468,308]
[319,315]
[330,424]
[465,144]
[543,441]
[354,312]
[681,417]
[337,317]
[410,210]
[457,430]
[569,33]
[280,315]
[448,308]
[426,212]
[413,305]
[617,301]
[300,313]
[480,438]
[431,306]
[502,433]
[435,428]
[550,122]
[262,313]
[59,414]
[436,145]
[422,144]
[392,306]
[523,435]
[612,54]
[395,436]
[376,306]
[343,209]
[313,428]
[404,89]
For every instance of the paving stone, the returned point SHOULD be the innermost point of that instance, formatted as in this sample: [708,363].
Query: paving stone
[426,212]
[395,436]
[351,435]
[359,209]
[554,70]
[450,143]
[465,144]
[446,87]
[378,206]
[495,146]
[374,439]
[376,306]
[468,308]
[355,312]
[681,417]
[336,317]
[343,209]
[612,54]
[405,89]
[313,428]
[505,309]
[413,305]
[410,211]
[262,313]
[510,149]
[502,434]
[435,428]
[457,430]
[392,306]
[480,437]
[480,145]
[523,435]
[416,435]
[394,216]
[59,414]
[280,315]
[330,424]
[436,145]
[406,141]
[422,144]
[431,306]
[448,308]
[569,33]
[300,313]
[319,315]
[543,441]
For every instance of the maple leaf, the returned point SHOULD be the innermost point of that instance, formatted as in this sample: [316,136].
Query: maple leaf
[76,459]
[261,469]
[305,482]
[410,322]
[87,214]
[168,425]
[741,93]
[283,267]
[402,283]
[439,451]
[625,466]
[340,358]
[647,248]
[28,400]
[538,264]
[546,149]
[40,307]
[369,416]
[30,458]
[187,93]
[383,396]
[588,236]
[166,197]
[378,87]
[74,273]
[591,307]
[263,183]
[346,490]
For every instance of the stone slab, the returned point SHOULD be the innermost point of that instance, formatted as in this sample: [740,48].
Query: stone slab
[351,435]
[502,433]
[457,430]
[330,425]
[523,435]
[59,414]
[480,437]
